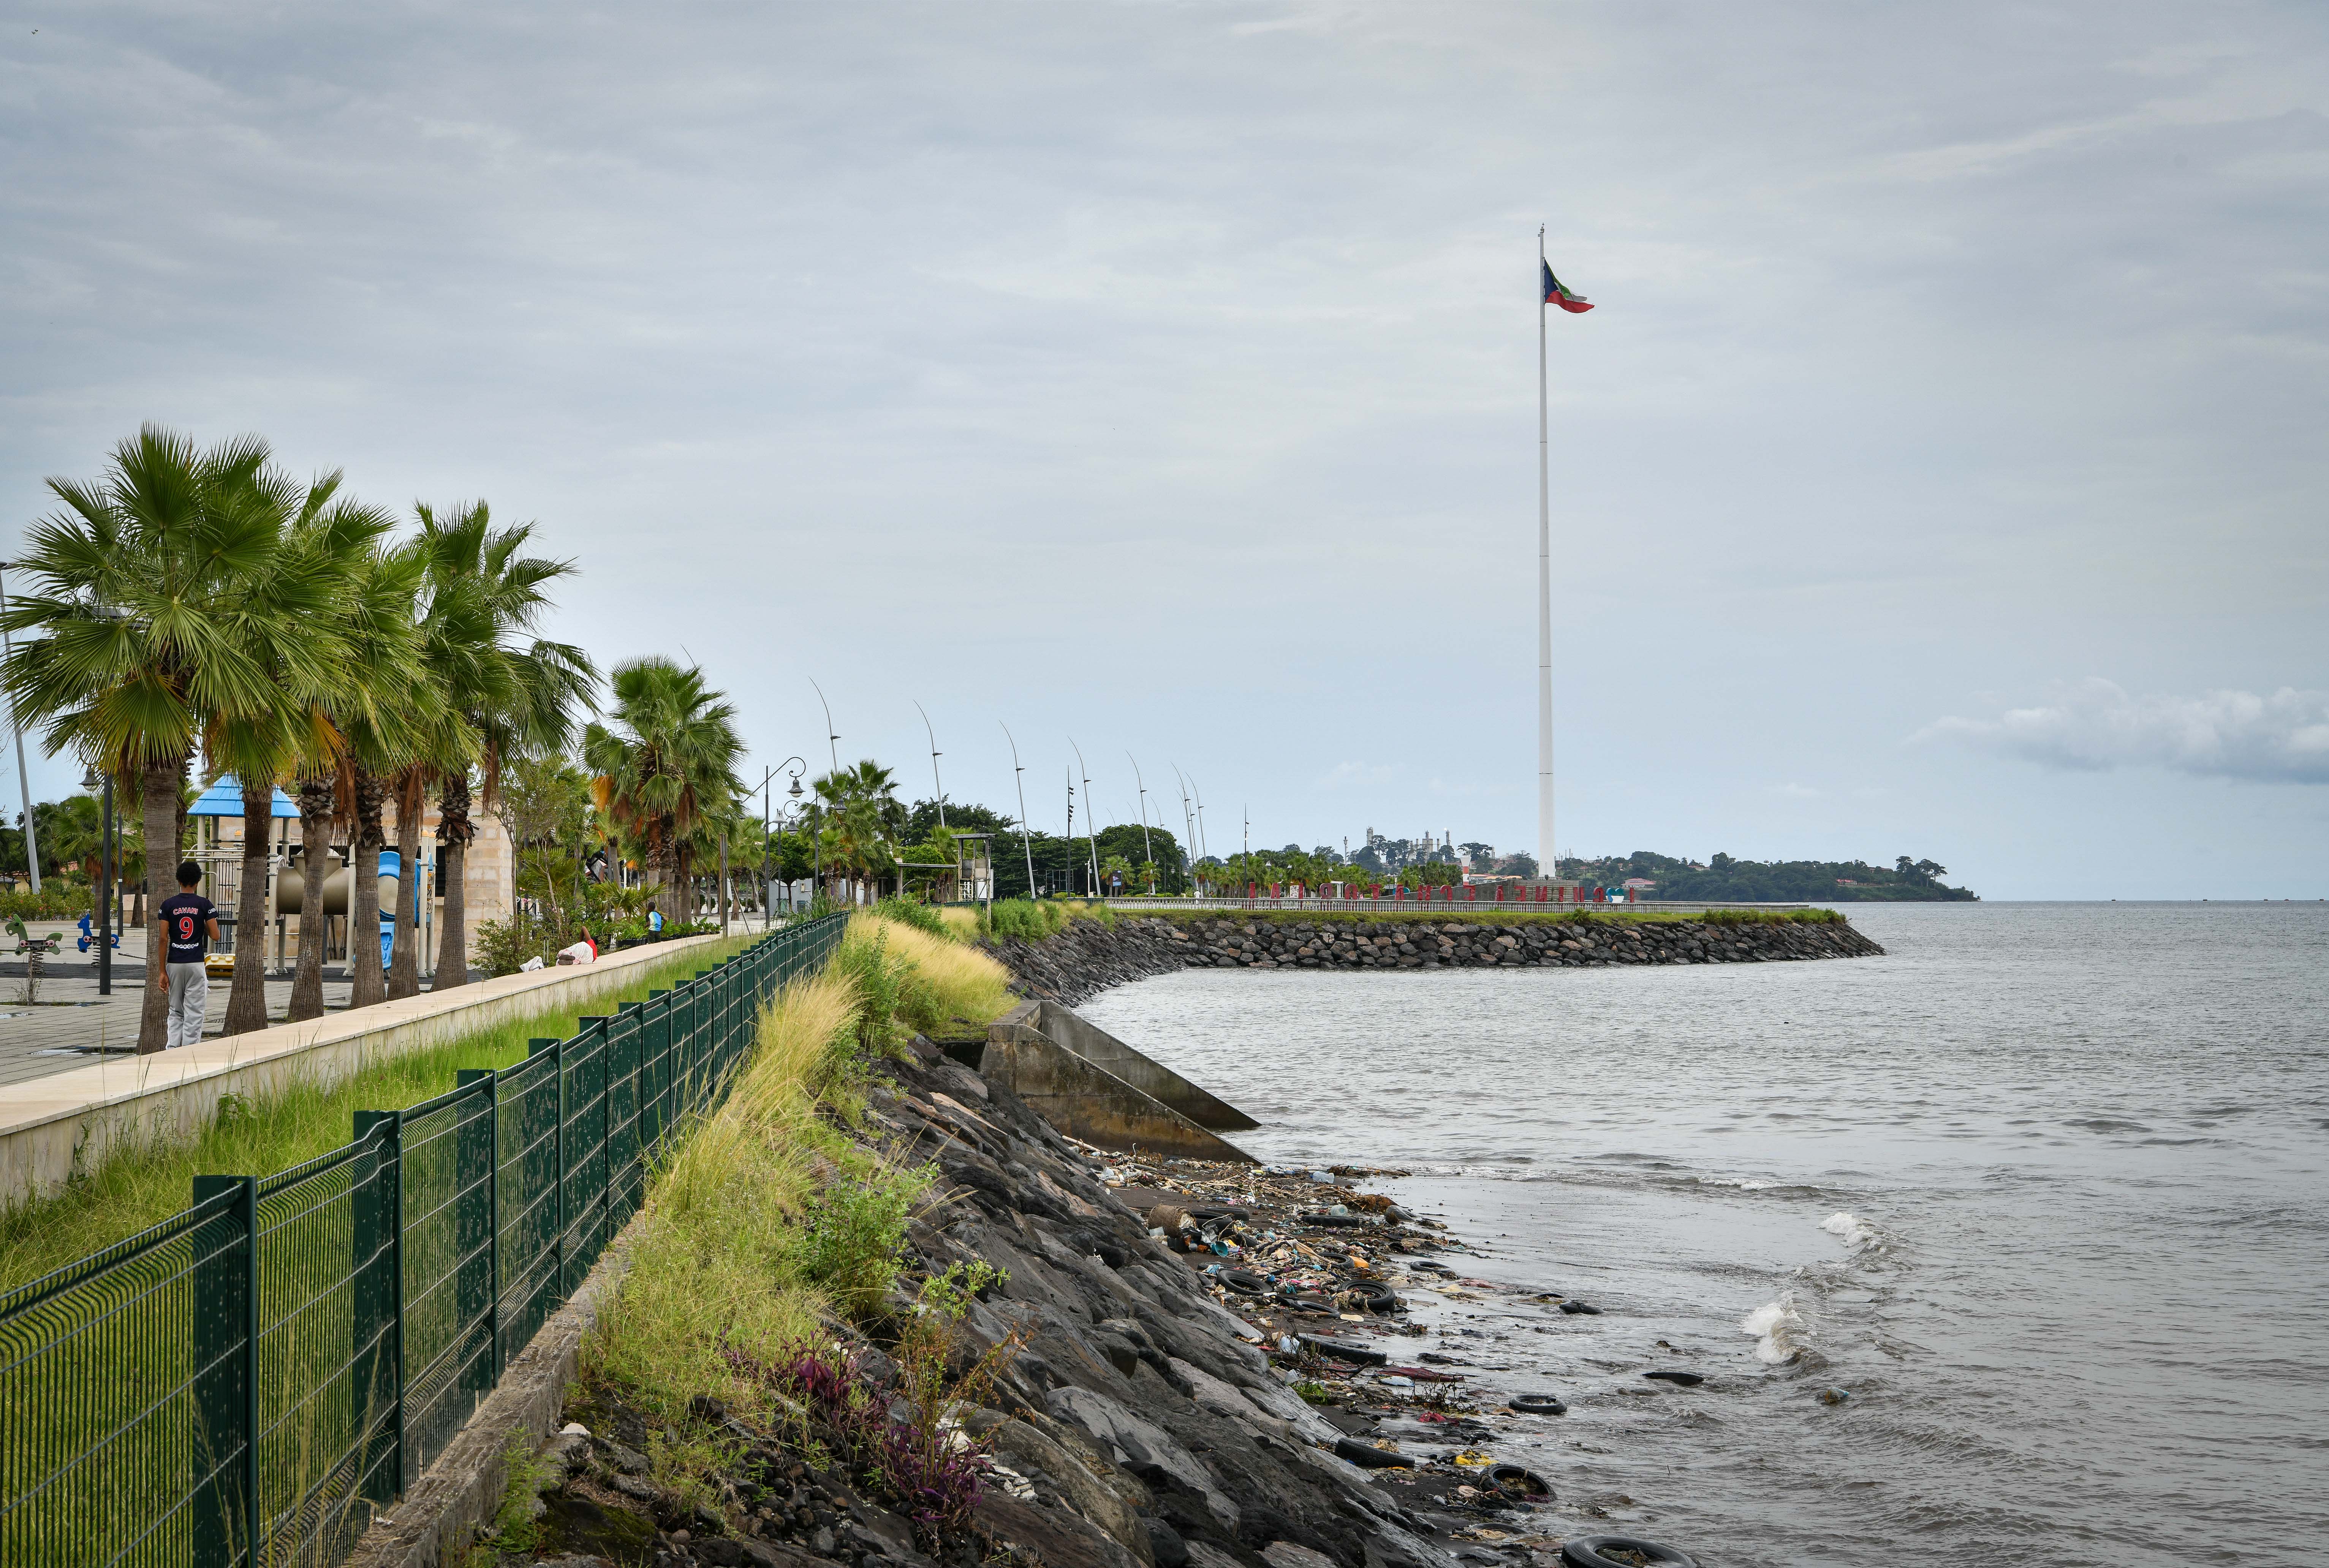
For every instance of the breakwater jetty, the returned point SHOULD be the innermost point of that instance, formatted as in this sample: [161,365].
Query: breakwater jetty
[1088,956]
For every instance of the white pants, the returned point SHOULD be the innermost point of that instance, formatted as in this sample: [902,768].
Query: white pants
[190,998]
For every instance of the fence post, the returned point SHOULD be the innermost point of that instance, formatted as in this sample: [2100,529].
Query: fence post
[655,1065]
[535,1047]
[583,1026]
[627,1065]
[476,1229]
[226,1386]
[378,1373]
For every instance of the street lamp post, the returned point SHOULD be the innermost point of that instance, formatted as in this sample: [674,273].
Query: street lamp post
[103,901]
[1147,850]
[1188,834]
[768,903]
[934,783]
[1019,777]
[16,734]
[1091,816]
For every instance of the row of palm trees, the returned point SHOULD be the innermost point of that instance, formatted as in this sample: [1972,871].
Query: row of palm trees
[195,601]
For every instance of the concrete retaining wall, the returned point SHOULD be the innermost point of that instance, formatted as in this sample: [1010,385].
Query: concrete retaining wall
[1159,1083]
[50,1126]
[1085,1101]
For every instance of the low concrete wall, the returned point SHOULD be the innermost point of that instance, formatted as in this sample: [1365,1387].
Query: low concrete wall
[432,1524]
[1087,1101]
[50,1126]
[1104,1050]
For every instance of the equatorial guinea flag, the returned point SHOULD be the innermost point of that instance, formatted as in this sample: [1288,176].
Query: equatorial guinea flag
[1554,294]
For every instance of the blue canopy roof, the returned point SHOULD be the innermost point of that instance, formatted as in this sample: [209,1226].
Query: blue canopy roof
[225,799]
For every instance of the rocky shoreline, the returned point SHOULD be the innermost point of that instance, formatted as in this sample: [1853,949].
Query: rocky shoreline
[1144,1405]
[1088,956]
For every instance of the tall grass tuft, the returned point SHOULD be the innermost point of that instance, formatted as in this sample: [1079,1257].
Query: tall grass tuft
[961,982]
[714,1260]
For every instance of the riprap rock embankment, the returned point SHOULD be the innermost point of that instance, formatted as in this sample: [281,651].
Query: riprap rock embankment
[1087,957]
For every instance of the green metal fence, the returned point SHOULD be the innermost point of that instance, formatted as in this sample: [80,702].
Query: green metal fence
[248,1382]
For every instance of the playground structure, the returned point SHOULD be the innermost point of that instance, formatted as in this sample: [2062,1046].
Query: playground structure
[217,818]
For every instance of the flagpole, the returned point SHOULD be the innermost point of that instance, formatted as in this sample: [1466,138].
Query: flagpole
[1544,839]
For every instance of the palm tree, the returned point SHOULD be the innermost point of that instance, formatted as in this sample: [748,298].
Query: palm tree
[328,542]
[862,813]
[664,764]
[390,704]
[158,603]
[507,697]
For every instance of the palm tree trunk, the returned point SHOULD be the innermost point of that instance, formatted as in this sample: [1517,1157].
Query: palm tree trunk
[315,862]
[160,806]
[453,832]
[246,998]
[404,961]
[367,985]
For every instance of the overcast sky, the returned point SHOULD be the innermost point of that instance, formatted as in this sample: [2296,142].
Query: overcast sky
[1942,471]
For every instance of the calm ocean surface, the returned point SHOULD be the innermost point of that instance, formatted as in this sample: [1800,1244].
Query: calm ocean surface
[2045,1189]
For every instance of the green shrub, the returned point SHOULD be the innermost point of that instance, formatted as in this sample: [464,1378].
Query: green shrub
[906,912]
[57,900]
[898,1000]
[1025,919]
[855,1232]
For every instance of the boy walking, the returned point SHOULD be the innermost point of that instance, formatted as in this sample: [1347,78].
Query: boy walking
[189,926]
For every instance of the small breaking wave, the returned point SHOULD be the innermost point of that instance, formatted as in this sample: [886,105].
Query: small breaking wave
[1851,1230]
[1778,1329]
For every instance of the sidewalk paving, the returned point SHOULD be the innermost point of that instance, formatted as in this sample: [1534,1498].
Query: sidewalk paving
[37,1040]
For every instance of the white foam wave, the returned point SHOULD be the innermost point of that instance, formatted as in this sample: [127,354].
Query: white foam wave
[1853,1232]
[1776,1326]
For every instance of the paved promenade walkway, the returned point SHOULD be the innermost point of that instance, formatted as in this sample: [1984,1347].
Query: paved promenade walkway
[66,1029]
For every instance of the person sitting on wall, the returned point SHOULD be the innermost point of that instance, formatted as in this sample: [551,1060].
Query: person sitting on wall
[585,951]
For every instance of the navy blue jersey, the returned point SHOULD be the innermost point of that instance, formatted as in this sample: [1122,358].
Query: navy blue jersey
[187,916]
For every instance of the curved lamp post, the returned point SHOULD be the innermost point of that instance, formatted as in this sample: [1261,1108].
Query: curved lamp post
[1018,776]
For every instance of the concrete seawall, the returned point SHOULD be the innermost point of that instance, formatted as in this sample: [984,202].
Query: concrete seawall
[1091,1085]
[1089,957]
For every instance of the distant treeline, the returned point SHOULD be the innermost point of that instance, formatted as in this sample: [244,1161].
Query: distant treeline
[1906,880]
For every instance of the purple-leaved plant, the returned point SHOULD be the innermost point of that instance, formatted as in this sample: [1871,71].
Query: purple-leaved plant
[915,1466]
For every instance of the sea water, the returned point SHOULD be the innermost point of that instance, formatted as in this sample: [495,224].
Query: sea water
[2009,1246]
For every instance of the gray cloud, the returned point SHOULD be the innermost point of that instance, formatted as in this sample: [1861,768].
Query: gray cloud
[1164,374]
[2094,724]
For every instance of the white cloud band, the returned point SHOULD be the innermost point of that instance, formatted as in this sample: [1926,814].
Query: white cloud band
[2094,724]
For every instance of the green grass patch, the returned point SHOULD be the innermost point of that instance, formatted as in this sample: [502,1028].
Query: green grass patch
[144,1184]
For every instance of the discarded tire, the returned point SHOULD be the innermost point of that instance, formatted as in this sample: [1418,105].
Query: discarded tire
[1245,1282]
[1383,1301]
[1679,1379]
[1372,1459]
[1574,1308]
[1538,1405]
[1592,1552]
[1339,1219]
[1360,1354]
[1518,1482]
